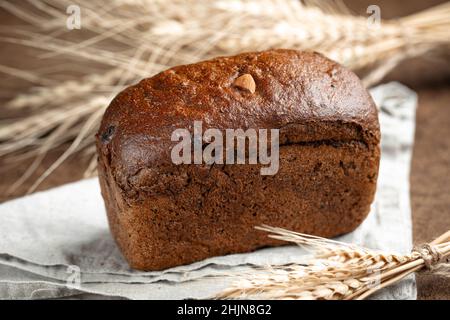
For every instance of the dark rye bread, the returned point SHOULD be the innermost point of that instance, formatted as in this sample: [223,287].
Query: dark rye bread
[163,215]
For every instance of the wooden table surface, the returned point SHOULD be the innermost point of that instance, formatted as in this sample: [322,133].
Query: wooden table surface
[430,174]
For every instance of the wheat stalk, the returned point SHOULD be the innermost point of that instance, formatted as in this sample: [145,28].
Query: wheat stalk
[336,270]
[123,41]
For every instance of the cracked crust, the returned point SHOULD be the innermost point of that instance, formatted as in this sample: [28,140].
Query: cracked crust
[163,215]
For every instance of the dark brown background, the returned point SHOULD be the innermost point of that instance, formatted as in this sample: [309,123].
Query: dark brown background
[430,175]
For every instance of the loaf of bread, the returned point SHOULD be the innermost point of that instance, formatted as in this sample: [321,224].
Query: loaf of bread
[164,214]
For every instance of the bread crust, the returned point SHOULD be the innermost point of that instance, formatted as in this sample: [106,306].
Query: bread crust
[163,215]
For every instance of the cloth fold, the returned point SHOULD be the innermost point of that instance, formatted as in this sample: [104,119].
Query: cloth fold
[56,243]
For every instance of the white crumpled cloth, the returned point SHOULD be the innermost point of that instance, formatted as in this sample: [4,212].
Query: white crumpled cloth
[57,244]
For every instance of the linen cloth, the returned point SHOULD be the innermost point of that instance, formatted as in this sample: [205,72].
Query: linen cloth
[57,244]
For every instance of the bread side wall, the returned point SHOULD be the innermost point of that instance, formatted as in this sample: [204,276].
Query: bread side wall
[321,189]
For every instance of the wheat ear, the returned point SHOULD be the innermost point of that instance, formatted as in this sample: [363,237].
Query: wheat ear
[336,271]
[138,38]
